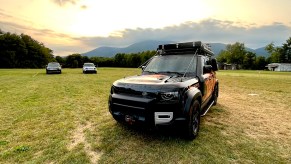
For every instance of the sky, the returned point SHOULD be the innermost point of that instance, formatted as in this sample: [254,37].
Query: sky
[79,26]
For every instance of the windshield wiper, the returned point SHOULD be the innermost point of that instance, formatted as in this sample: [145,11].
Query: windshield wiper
[171,72]
[151,72]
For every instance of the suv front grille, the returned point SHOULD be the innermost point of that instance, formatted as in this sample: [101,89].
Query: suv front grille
[131,92]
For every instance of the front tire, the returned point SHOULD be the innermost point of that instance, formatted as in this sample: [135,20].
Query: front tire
[193,121]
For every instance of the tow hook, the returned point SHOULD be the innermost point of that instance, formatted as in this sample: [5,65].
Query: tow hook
[129,119]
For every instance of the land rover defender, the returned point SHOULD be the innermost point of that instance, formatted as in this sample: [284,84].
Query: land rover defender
[177,85]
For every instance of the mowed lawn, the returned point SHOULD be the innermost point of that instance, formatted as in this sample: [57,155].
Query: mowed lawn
[64,118]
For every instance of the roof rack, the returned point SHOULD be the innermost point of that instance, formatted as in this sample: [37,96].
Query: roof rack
[185,48]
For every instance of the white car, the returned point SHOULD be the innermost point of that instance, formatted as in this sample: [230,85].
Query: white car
[89,68]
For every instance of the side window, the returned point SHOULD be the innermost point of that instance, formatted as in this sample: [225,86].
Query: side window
[205,61]
[205,65]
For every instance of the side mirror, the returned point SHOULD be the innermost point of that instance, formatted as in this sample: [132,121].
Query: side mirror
[207,69]
[143,67]
[214,65]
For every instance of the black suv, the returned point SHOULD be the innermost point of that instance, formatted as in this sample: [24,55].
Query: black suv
[177,85]
[53,67]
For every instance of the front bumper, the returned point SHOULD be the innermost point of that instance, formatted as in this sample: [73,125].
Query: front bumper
[143,110]
[89,71]
[53,71]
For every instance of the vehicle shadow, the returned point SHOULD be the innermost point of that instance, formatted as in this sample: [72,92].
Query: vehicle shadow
[155,133]
[167,141]
[173,132]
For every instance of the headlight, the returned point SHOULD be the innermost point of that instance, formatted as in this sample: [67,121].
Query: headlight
[112,90]
[169,95]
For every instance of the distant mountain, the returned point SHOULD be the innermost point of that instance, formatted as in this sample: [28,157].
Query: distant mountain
[261,52]
[153,44]
[217,47]
[134,48]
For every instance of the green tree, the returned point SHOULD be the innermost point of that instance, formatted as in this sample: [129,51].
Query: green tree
[103,61]
[260,63]
[21,51]
[86,59]
[74,61]
[11,48]
[136,60]
[249,60]
[233,54]
[274,53]
[60,60]
[222,56]
[286,51]
[236,53]
[120,60]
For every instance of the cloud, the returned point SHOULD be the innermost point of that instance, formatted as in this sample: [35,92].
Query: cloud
[209,30]
[61,44]
[83,7]
[2,14]
[64,2]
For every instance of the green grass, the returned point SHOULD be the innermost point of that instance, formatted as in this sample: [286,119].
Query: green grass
[65,119]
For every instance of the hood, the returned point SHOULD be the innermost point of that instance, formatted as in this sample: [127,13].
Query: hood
[53,67]
[89,67]
[156,82]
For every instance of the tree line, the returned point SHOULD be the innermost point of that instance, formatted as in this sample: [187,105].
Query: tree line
[132,60]
[237,54]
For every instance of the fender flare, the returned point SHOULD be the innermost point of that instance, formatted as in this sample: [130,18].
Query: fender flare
[191,95]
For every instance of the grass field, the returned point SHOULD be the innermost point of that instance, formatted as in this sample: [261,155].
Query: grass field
[65,119]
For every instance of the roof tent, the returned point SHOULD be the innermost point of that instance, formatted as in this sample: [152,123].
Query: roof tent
[185,48]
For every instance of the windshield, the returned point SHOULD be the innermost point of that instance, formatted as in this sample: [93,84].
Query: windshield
[172,63]
[53,65]
[89,65]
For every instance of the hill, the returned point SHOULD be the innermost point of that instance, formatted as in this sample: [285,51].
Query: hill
[152,45]
[261,52]
[134,48]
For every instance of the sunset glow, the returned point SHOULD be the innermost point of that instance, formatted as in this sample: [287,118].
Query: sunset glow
[68,20]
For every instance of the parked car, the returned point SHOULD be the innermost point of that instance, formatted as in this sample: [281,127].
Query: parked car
[53,67]
[89,68]
[177,86]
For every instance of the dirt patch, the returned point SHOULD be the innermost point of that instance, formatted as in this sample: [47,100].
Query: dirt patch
[78,137]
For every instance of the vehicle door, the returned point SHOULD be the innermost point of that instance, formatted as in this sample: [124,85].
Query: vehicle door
[209,79]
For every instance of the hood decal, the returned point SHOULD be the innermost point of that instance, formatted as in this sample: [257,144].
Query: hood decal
[143,79]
